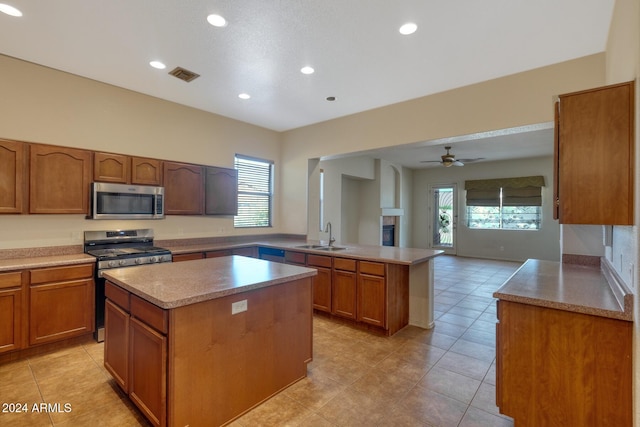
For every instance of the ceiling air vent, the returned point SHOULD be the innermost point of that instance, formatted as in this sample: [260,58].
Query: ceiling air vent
[184,74]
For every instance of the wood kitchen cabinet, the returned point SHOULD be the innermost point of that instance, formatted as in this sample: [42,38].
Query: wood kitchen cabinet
[119,168]
[59,179]
[61,303]
[109,167]
[13,176]
[183,189]
[344,285]
[561,368]
[11,311]
[136,350]
[321,282]
[372,293]
[146,171]
[594,156]
[187,257]
[116,347]
[221,191]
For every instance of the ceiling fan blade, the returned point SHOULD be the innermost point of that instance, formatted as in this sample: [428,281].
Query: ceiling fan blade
[471,160]
[430,161]
[458,163]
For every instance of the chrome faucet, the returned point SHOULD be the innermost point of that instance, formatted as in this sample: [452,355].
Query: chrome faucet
[327,229]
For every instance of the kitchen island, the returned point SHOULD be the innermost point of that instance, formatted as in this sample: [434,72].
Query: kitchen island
[380,288]
[201,342]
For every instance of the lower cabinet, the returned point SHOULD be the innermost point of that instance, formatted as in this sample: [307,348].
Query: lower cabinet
[372,294]
[135,351]
[61,303]
[560,368]
[321,282]
[343,287]
[11,311]
[187,257]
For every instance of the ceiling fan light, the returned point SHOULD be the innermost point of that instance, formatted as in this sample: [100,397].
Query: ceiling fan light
[447,163]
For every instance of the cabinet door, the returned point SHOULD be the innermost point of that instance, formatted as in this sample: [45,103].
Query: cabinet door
[13,179]
[116,343]
[183,189]
[595,156]
[148,371]
[344,294]
[11,311]
[61,310]
[559,368]
[322,289]
[146,171]
[221,191]
[372,300]
[218,253]
[60,179]
[109,167]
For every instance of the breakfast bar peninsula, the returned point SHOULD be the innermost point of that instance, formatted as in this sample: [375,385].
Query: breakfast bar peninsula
[201,342]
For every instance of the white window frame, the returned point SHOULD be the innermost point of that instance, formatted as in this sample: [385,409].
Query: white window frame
[251,213]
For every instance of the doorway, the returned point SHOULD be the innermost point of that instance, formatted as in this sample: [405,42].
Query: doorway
[444,217]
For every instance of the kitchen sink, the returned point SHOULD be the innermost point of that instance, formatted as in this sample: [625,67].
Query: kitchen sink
[331,248]
[311,246]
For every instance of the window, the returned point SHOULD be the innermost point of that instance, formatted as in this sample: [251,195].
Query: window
[508,204]
[255,192]
[321,215]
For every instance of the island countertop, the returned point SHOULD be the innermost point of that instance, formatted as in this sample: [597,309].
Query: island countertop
[569,287]
[388,254]
[172,285]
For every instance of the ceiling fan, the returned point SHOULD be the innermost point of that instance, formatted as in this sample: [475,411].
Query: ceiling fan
[450,160]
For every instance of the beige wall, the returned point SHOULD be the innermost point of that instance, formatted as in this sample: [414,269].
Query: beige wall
[517,100]
[47,106]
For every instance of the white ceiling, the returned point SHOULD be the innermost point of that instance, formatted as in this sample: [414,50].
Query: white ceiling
[354,46]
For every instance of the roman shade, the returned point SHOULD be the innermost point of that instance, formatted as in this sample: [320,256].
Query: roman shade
[521,191]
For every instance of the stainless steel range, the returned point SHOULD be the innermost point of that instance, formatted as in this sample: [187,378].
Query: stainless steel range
[117,249]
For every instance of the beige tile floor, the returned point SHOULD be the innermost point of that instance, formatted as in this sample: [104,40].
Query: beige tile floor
[440,377]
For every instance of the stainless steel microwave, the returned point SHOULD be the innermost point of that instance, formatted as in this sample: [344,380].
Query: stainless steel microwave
[121,201]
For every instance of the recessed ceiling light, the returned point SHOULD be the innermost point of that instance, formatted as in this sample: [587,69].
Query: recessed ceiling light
[157,64]
[408,28]
[307,70]
[244,96]
[9,10]
[331,98]
[217,20]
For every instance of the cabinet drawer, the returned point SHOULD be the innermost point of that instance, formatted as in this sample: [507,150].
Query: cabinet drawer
[374,268]
[218,253]
[59,274]
[151,314]
[344,264]
[118,295]
[10,280]
[319,261]
[295,257]
[187,257]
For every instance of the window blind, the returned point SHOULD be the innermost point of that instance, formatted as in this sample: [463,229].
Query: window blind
[255,192]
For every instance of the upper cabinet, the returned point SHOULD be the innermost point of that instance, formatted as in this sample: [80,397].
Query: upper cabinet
[108,167]
[146,171]
[221,191]
[119,168]
[59,179]
[13,178]
[594,156]
[183,185]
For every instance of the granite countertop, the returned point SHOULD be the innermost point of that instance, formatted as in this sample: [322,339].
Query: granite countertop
[569,287]
[172,285]
[45,261]
[388,254]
